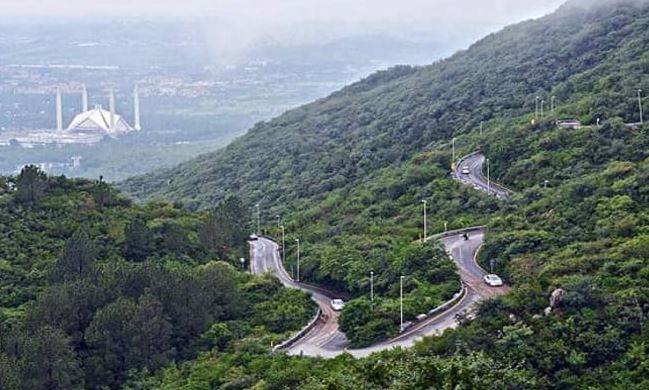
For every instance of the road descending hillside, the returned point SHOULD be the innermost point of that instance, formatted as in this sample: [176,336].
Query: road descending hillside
[324,337]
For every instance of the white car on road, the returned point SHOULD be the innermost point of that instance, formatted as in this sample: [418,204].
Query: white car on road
[493,280]
[337,304]
[466,170]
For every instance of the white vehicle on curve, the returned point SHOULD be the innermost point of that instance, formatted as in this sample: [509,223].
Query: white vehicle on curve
[493,280]
[337,304]
[466,170]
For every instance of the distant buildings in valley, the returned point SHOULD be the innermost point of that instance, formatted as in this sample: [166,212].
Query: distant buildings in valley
[88,127]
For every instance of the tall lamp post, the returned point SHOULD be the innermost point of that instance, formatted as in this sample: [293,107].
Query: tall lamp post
[552,99]
[283,246]
[488,178]
[425,202]
[453,152]
[297,240]
[372,289]
[258,219]
[640,105]
[401,302]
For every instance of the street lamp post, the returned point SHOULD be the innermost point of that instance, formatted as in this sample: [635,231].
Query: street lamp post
[552,99]
[243,263]
[425,202]
[545,183]
[453,152]
[298,259]
[372,289]
[481,127]
[488,178]
[283,245]
[258,219]
[536,110]
[401,301]
[640,105]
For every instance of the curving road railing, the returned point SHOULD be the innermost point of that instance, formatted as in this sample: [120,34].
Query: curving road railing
[322,337]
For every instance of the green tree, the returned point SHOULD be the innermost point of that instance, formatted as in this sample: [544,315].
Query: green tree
[9,373]
[138,240]
[77,260]
[30,185]
[225,228]
[102,193]
[48,361]
[124,335]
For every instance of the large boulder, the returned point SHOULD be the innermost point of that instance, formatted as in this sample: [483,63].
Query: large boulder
[557,297]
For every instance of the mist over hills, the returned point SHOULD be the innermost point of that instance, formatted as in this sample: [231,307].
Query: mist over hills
[382,120]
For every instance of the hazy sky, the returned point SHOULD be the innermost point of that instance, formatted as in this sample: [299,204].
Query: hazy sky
[282,11]
[231,27]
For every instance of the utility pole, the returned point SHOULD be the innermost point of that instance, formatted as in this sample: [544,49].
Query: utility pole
[488,179]
[640,105]
[481,126]
[401,301]
[283,246]
[552,104]
[298,259]
[425,202]
[453,153]
[372,289]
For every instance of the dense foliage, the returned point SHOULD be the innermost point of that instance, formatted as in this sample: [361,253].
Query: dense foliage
[96,289]
[348,172]
[347,175]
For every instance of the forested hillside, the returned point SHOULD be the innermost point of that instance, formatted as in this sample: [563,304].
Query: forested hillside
[339,141]
[347,173]
[96,289]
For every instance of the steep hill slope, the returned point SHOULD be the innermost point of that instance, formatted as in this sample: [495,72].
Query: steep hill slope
[383,120]
[347,173]
[586,233]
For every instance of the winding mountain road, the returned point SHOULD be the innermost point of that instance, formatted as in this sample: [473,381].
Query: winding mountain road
[325,339]
[476,177]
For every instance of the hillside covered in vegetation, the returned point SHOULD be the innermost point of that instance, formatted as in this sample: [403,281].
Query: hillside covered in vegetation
[96,289]
[347,174]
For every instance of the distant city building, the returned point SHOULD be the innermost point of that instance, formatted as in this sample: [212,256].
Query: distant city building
[88,127]
[99,120]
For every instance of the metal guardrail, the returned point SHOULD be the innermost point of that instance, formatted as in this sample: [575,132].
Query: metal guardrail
[493,184]
[456,232]
[291,340]
[451,302]
[457,297]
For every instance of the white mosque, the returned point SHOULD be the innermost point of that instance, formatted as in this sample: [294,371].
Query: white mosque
[87,127]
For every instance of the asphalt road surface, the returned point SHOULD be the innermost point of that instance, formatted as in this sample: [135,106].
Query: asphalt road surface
[325,338]
[476,177]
